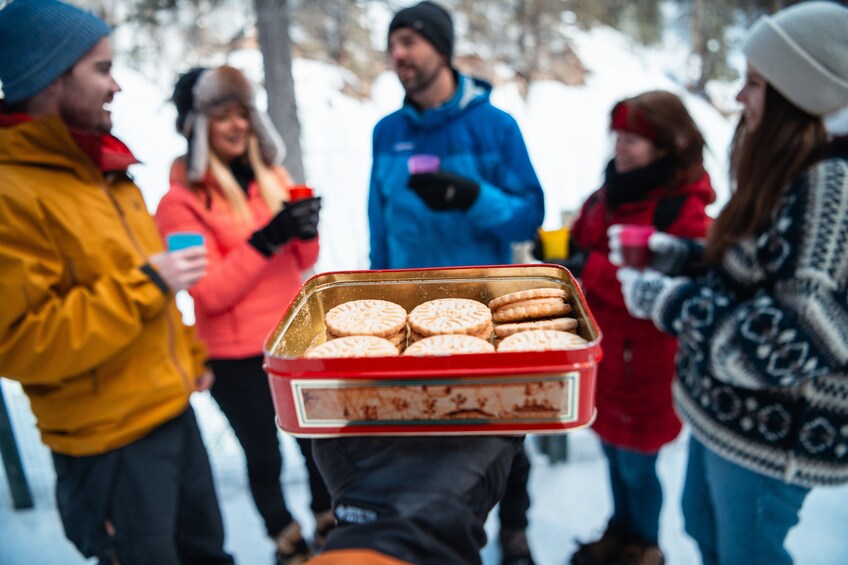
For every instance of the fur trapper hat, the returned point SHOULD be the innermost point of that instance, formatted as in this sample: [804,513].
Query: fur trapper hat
[198,93]
[802,51]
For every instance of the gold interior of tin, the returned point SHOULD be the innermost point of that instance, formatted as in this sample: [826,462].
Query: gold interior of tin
[303,323]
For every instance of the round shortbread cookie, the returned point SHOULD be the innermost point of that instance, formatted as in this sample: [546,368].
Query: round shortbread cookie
[485,334]
[365,317]
[558,324]
[450,316]
[449,345]
[541,340]
[354,346]
[530,302]
[397,338]
[540,308]
[528,295]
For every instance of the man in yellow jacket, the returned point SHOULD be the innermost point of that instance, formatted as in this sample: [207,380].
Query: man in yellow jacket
[88,322]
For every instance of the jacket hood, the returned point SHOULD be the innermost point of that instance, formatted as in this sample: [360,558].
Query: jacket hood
[470,91]
[179,172]
[44,142]
[47,142]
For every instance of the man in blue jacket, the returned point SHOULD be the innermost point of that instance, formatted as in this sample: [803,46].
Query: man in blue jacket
[486,194]
[484,197]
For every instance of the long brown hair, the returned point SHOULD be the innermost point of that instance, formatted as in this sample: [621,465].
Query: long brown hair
[762,164]
[669,126]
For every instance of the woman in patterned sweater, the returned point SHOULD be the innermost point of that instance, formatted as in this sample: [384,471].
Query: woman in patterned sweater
[762,368]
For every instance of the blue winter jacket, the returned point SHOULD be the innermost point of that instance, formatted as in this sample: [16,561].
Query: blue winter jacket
[475,140]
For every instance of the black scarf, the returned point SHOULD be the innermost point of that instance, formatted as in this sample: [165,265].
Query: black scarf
[243,173]
[632,186]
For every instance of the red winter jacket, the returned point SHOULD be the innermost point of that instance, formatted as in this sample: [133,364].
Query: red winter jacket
[634,377]
[244,294]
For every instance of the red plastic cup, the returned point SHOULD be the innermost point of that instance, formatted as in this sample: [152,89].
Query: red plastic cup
[634,245]
[423,163]
[299,192]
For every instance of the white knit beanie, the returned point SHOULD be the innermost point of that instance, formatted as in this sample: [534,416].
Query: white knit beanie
[802,52]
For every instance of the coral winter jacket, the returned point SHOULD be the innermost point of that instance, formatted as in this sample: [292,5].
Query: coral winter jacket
[244,294]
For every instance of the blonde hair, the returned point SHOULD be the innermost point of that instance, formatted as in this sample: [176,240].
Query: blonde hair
[271,185]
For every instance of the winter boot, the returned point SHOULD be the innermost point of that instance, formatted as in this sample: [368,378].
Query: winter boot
[641,554]
[291,547]
[324,522]
[514,548]
[604,551]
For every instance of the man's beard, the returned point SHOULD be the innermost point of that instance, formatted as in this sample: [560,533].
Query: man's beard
[419,81]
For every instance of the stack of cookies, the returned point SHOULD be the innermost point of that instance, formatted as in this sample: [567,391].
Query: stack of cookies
[541,340]
[529,320]
[450,316]
[372,318]
[533,309]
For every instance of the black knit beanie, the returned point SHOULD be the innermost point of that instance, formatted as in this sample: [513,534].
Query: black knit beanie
[430,20]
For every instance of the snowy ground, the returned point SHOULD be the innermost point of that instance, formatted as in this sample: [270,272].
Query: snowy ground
[570,502]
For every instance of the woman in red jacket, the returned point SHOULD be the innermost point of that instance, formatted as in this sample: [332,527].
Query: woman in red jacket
[655,178]
[231,188]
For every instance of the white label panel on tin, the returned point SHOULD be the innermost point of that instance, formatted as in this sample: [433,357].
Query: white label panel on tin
[512,399]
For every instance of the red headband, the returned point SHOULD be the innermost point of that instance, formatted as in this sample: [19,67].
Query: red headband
[624,119]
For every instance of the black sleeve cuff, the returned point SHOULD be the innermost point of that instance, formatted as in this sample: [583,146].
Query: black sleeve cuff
[154,276]
[262,245]
[467,196]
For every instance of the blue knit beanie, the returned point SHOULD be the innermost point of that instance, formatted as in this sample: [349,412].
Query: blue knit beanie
[40,40]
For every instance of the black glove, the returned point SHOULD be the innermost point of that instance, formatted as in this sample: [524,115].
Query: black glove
[297,219]
[444,191]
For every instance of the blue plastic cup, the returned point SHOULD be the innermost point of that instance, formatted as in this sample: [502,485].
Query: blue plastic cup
[183,239]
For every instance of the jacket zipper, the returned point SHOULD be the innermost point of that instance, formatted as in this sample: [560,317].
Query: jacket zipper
[172,346]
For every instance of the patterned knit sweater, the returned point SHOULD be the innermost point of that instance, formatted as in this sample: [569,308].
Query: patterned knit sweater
[762,367]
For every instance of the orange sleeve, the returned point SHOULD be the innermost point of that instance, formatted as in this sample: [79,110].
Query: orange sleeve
[355,557]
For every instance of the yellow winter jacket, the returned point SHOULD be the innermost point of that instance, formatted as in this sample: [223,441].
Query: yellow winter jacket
[99,348]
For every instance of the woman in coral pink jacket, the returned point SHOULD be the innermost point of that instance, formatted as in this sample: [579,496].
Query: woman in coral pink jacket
[230,188]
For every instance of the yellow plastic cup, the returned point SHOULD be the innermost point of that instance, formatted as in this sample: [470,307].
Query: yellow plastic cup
[554,243]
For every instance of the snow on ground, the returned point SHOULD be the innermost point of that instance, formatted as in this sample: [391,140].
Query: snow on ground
[566,133]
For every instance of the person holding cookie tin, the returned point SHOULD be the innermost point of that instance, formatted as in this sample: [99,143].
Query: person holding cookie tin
[451,184]
[655,180]
[231,189]
[762,367]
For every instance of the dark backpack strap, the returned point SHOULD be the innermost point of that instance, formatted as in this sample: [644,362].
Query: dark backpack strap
[667,211]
